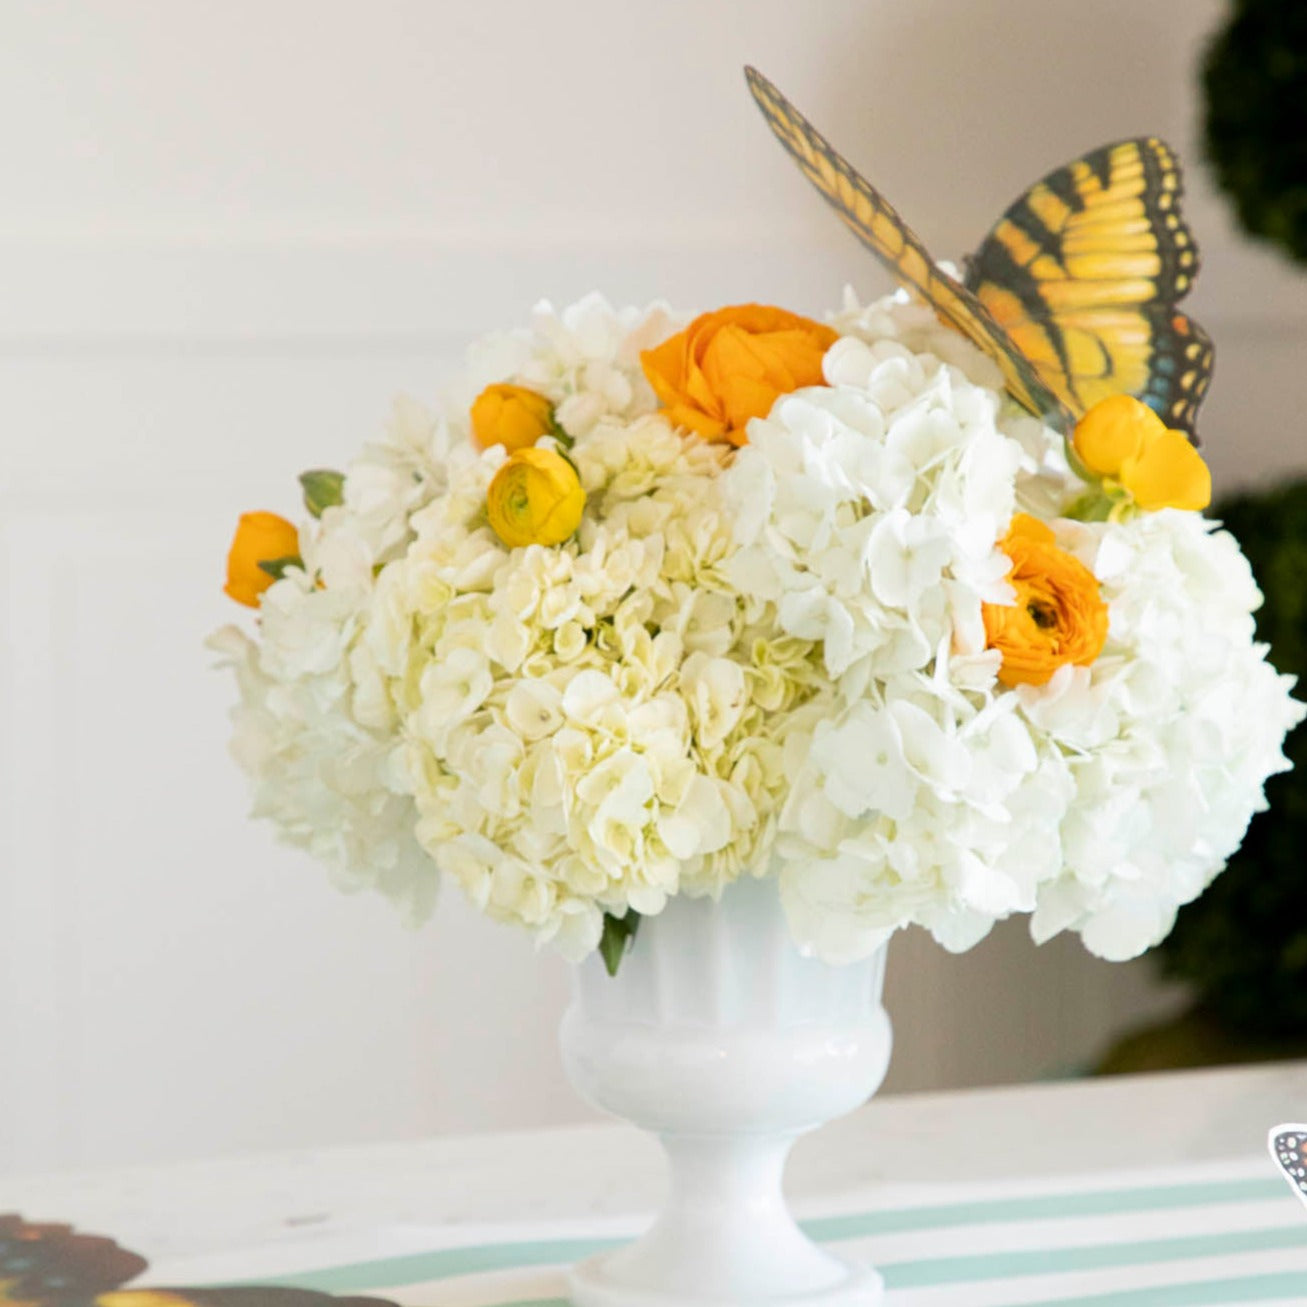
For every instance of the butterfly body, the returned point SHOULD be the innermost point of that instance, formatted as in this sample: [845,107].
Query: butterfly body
[1072,293]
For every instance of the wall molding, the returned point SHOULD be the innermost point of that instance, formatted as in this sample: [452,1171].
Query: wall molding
[434,294]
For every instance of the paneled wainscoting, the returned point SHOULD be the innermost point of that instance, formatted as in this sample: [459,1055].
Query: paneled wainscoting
[173,982]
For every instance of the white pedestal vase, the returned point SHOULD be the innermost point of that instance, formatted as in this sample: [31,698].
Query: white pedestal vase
[718,1036]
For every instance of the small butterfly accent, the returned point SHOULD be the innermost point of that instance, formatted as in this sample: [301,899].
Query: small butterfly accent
[1288,1145]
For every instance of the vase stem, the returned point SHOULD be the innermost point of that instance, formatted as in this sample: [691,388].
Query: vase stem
[741,1174]
[719,1037]
[726,1196]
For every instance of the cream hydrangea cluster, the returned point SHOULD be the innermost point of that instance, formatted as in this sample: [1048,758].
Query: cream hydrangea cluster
[593,727]
[314,728]
[770,660]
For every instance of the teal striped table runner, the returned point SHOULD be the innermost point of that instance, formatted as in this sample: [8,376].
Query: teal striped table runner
[1153,1241]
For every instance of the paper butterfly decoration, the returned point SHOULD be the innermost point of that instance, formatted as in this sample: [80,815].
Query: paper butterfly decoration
[51,1266]
[1288,1145]
[1072,294]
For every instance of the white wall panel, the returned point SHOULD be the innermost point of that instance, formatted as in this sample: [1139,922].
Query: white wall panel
[231,234]
[173,981]
[511,121]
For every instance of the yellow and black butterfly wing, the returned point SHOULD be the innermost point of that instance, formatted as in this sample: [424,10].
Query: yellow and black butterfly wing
[1083,274]
[874,221]
[46,1265]
[250,1295]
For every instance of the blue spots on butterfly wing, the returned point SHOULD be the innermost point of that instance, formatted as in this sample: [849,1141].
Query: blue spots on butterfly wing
[1156,400]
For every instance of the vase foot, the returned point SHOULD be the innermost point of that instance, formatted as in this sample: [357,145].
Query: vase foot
[597,1282]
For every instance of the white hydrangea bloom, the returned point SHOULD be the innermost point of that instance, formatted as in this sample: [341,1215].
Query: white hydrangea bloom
[314,728]
[586,360]
[395,476]
[769,660]
[1168,738]
[869,514]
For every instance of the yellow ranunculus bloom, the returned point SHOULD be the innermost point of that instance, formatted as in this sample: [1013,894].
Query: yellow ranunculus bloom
[260,538]
[512,416]
[732,365]
[535,499]
[1059,616]
[1168,473]
[1123,440]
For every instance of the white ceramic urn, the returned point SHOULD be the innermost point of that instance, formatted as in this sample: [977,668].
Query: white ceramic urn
[721,1038]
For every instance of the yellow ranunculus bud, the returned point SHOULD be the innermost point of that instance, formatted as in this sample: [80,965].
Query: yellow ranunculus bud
[1122,439]
[512,416]
[259,538]
[1114,430]
[535,499]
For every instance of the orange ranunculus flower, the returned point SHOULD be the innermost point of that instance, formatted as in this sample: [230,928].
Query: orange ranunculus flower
[732,365]
[260,538]
[1122,439]
[535,499]
[512,416]
[1059,616]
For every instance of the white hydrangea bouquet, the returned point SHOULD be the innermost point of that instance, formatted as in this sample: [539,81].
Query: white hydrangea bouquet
[647,607]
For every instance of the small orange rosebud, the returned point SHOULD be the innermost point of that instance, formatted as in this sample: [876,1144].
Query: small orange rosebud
[260,538]
[732,365]
[512,416]
[535,499]
[1059,616]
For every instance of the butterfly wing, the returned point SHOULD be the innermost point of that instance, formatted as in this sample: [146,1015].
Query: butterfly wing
[42,1264]
[874,221]
[1083,274]
[253,1295]
[53,1266]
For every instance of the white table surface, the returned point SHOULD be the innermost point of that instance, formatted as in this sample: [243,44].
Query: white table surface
[181,1215]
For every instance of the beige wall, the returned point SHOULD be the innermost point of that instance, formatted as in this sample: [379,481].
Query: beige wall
[229,234]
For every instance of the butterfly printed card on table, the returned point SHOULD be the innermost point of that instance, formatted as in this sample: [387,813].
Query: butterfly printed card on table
[1288,1145]
[1073,293]
[48,1265]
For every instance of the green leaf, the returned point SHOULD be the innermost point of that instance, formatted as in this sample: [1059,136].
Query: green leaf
[276,567]
[563,452]
[616,939]
[323,489]
[1092,506]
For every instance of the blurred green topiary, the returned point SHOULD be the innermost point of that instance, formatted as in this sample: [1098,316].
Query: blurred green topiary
[1243,943]
[1255,80]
